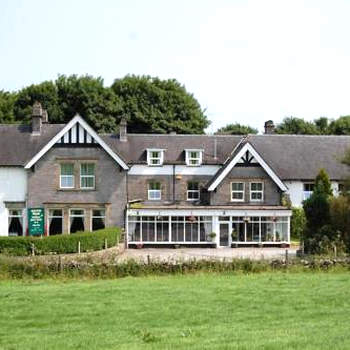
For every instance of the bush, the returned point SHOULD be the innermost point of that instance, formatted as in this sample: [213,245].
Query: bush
[297,223]
[60,244]
[340,217]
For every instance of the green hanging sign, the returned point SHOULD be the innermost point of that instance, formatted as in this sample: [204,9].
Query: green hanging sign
[36,222]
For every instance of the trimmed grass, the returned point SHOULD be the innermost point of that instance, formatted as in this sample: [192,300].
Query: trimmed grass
[204,311]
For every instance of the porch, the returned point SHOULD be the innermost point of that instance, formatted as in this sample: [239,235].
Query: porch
[208,227]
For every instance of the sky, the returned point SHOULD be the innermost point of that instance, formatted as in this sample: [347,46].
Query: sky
[244,61]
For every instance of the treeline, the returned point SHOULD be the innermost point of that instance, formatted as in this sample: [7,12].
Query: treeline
[298,126]
[150,105]
[320,126]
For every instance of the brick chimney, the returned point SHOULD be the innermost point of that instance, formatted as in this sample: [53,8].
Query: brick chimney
[37,116]
[123,136]
[269,127]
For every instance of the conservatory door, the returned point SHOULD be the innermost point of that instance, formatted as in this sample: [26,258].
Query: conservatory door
[224,234]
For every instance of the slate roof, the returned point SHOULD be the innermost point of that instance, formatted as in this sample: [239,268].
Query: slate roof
[18,145]
[293,157]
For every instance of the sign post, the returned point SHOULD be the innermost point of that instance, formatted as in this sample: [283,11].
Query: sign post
[36,222]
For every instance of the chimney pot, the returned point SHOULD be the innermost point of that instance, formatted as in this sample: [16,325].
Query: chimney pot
[123,136]
[269,127]
[45,116]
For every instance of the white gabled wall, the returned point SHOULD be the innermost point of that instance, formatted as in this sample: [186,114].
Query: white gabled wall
[296,191]
[13,187]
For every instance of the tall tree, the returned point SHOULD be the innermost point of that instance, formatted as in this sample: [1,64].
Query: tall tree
[236,129]
[87,96]
[46,94]
[152,105]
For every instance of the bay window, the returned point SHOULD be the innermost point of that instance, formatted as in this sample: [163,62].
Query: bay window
[55,222]
[15,222]
[77,220]
[98,219]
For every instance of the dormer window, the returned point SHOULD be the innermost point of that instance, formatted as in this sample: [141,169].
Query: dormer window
[194,157]
[155,157]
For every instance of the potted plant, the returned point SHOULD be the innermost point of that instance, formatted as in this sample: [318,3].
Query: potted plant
[234,235]
[212,236]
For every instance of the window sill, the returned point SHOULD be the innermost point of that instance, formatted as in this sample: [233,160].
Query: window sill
[76,189]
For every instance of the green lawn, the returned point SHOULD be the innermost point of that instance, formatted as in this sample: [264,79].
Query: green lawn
[259,311]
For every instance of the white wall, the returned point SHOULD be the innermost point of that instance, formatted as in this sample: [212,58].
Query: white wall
[13,187]
[296,191]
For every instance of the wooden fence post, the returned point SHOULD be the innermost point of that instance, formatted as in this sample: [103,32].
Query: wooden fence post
[287,256]
[106,244]
[79,247]
[60,267]
[33,249]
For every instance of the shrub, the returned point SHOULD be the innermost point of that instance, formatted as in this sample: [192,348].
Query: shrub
[297,223]
[60,244]
[317,213]
[340,217]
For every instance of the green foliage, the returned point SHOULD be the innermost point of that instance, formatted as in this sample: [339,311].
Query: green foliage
[323,183]
[46,94]
[320,126]
[149,104]
[340,126]
[7,101]
[292,125]
[317,213]
[236,129]
[297,223]
[152,105]
[340,217]
[60,244]
[87,96]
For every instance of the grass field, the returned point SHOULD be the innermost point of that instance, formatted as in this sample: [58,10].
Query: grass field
[259,311]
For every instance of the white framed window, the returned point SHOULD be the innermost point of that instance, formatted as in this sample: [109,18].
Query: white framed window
[76,220]
[256,191]
[308,190]
[15,222]
[87,175]
[55,218]
[154,191]
[155,157]
[194,157]
[193,192]
[67,175]
[237,191]
[98,219]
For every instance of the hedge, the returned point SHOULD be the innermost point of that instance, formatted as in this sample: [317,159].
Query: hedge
[60,244]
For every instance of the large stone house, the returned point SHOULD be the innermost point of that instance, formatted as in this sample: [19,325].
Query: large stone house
[164,189]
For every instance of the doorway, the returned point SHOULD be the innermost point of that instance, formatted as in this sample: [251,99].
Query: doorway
[224,234]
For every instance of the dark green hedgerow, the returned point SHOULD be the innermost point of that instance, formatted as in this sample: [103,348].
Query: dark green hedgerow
[60,244]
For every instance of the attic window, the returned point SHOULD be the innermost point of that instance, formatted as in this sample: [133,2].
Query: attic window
[155,157]
[194,157]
